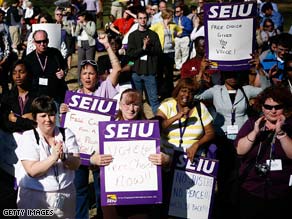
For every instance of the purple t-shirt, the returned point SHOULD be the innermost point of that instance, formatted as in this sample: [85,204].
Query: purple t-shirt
[106,90]
[278,185]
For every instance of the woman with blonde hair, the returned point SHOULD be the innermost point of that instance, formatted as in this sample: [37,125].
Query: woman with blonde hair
[166,31]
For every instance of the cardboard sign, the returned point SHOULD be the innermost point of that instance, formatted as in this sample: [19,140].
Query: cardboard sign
[54,36]
[193,187]
[230,34]
[86,111]
[131,179]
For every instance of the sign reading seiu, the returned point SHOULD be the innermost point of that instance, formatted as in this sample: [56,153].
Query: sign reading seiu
[231,11]
[204,166]
[91,103]
[129,130]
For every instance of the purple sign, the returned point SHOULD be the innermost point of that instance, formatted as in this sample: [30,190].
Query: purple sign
[193,187]
[131,179]
[86,111]
[230,34]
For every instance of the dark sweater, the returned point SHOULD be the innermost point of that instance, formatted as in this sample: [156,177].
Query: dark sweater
[135,52]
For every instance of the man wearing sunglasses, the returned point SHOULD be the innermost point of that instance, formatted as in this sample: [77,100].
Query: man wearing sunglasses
[48,67]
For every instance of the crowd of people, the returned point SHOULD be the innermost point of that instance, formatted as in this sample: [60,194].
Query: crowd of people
[246,114]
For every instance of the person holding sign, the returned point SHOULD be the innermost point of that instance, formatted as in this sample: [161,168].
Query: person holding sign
[183,126]
[89,79]
[49,157]
[186,126]
[131,108]
[231,102]
[264,144]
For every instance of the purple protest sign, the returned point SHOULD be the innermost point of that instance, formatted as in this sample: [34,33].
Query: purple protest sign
[86,111]
[193,187]
[230,34]
[131,179]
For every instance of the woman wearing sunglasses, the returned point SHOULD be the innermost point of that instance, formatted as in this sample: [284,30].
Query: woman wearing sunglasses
[265,147]
[93,84]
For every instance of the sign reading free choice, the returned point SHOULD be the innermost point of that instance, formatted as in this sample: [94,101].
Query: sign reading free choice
[230,34]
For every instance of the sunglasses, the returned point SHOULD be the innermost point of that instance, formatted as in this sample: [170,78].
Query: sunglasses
[58,14]
[90,62]
[41,41]
[276,107]
[177,11]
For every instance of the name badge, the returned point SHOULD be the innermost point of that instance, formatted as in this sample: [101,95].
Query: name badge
[276,164]
[232,129]
[144,58]
[43,81]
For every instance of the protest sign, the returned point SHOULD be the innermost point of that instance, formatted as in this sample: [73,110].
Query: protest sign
[86,111]
[193,187]
[130,179]
[230,34]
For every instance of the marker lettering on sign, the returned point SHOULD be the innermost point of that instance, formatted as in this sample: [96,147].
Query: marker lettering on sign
[230,11]
[90,103]
[129,130]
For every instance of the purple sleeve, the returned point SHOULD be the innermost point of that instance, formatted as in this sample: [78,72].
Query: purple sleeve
[106,89]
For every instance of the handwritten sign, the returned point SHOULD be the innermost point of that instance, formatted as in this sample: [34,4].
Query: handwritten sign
[131,179]
[193,187]
[83,119]
[230,34]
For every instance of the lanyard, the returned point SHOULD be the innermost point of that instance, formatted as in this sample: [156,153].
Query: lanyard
[290,86]
[56,171]
[182,129]
[272,149]
[41,64]
[233,109]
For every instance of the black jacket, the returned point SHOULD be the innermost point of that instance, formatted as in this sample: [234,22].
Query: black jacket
[55,88]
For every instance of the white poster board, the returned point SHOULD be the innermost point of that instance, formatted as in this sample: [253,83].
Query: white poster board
[54,35]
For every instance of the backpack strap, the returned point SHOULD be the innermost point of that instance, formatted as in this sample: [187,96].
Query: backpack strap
[199,110]
[62,130]
[37,137]
[245,97]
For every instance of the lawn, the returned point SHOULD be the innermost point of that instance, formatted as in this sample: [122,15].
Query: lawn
[285,8]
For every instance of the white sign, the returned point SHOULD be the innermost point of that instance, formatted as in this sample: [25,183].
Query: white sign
[85,127]
[54,36]
[191,195]
[230,40]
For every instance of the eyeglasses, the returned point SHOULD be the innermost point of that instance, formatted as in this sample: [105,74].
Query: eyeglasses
[59,14]
[91,62]
[268,25]
[276,107]
[177,11]
[41,41]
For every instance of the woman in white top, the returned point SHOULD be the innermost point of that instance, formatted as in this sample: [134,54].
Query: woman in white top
[49,157]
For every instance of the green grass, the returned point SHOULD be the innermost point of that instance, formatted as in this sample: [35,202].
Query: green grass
[285,8]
